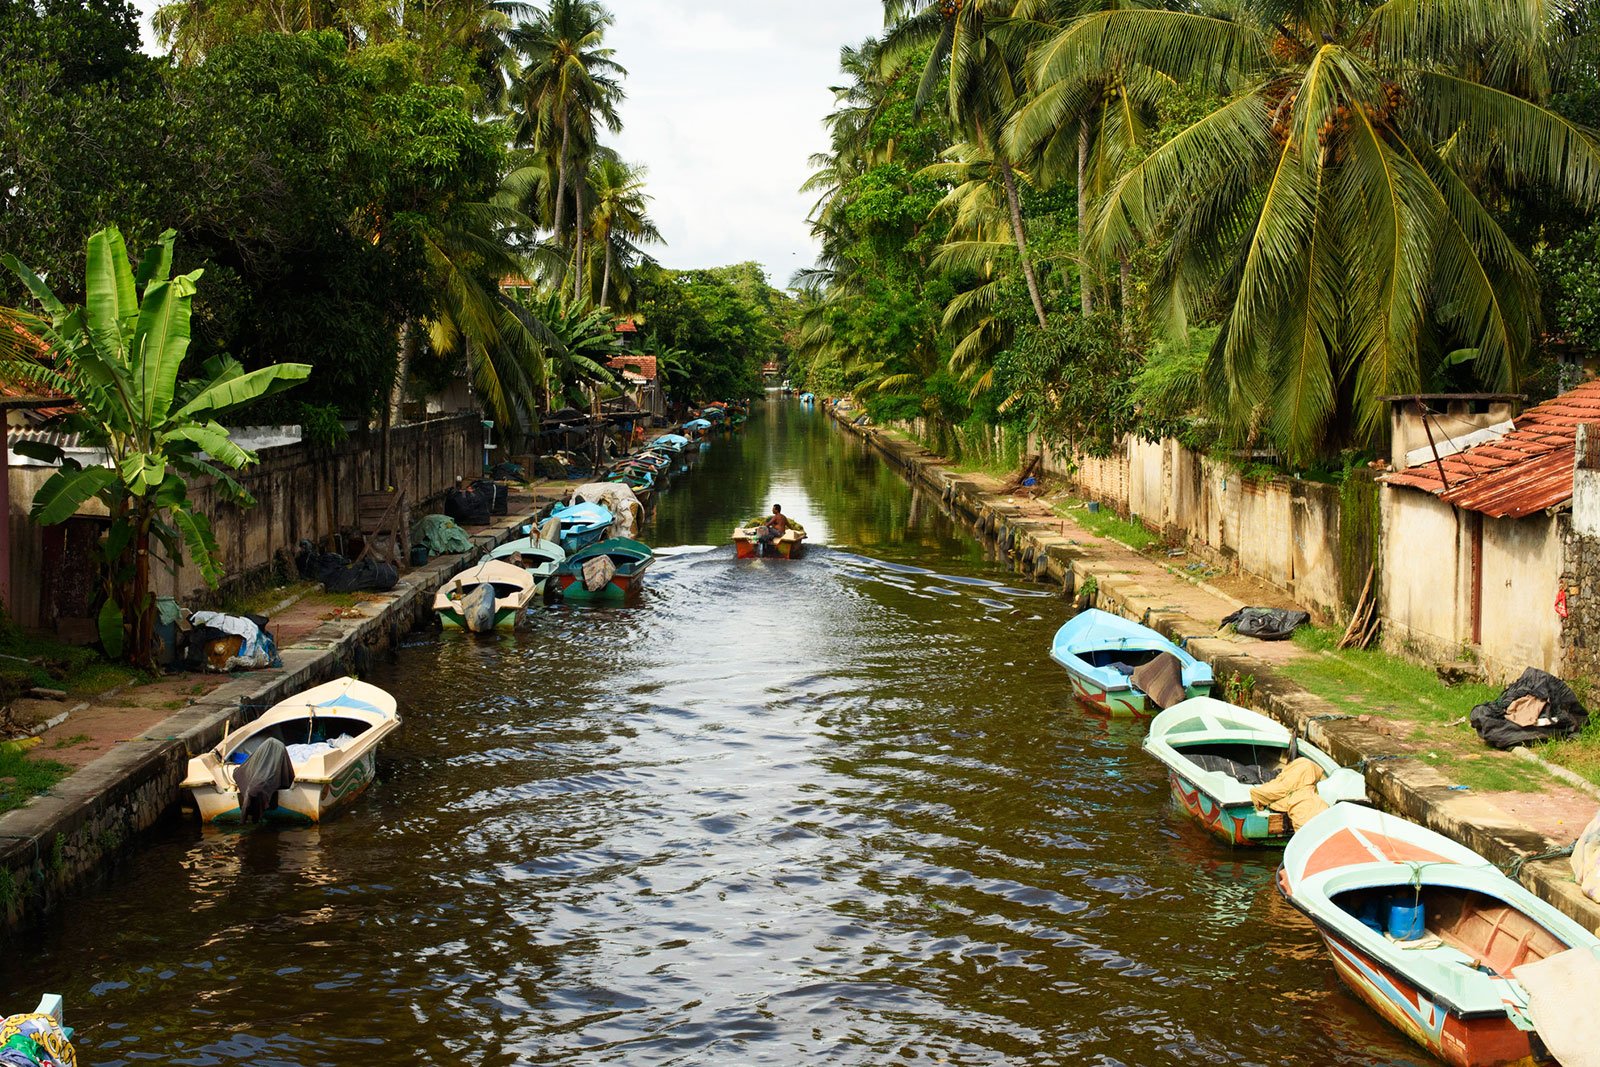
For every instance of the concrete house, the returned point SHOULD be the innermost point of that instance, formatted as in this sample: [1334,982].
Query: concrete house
[1477,530]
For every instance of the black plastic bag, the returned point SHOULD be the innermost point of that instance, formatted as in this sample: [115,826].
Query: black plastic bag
[339,575]
[1268,624]
[469,507]
[499,496]
[1566,716]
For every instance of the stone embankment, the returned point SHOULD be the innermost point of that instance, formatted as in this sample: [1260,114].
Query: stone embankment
[1039,545]
[67,837]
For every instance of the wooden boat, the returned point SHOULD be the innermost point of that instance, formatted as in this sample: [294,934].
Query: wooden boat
[1100,651]
[331,732]
[582,524]
[536,554]
[1215,751]
[490,596]
[808,398]
[1358,873]
[747,546]
[610,570]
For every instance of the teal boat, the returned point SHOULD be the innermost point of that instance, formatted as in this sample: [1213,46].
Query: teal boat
[609,570]
[582,525]
[1100,652]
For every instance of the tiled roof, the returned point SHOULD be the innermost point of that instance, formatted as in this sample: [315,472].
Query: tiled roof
[26,394]
[645,365]
[1527,470]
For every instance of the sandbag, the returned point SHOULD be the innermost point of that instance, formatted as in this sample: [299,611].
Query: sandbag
[1267,624]
[470,506]
[1562,715]
[259,778]
[1586,859]
[1293,791]
[1160,680]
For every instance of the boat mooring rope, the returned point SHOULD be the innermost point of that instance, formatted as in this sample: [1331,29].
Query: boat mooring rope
[1367,761]
[1514,869]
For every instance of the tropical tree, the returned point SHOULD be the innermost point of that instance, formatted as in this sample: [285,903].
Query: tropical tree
[1338,202]
[619,220]
[583,339]
[119,357]
[566,88]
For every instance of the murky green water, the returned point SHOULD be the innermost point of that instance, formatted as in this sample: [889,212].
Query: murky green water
[833,811]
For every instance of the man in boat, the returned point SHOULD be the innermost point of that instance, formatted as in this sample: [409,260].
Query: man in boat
[776,526]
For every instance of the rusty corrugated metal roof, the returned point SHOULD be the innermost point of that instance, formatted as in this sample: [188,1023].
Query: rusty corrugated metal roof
[1527,470]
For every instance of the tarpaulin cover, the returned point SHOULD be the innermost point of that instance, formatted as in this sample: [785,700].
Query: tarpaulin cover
[1562,715]
[627,514]
[1160,680]
[598,572]
[1586,859]
[259,778]
[1562,992]
[441,534]
[1293,791]
[257,650]
[1268,624]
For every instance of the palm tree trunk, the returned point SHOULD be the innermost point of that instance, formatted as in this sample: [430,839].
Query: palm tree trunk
[577,242]
[1086,300]
[561,178]
[1021,239]
[1125,276]
[605,280]
[402,369]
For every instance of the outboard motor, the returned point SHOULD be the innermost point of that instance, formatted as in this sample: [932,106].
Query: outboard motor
[477,608]
[259,778]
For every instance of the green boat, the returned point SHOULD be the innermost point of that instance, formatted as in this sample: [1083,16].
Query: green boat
[609,570]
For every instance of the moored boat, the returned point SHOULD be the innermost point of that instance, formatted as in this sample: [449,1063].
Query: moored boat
[330,734]
[1101,653]
[747,543]
[1428,933]
[808,398]
[537,555]
[1215,752]
[489,596]
[582,524]
[609,570]
[627,510]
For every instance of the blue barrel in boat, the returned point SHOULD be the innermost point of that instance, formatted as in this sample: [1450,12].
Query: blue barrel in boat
[1372,914]
[1406,921]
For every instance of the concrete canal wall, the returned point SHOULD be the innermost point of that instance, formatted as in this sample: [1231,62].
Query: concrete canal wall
[1038,548]
[67,838]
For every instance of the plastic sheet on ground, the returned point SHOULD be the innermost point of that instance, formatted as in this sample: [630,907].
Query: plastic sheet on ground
[1561,716]
[256,651]
[1266,624]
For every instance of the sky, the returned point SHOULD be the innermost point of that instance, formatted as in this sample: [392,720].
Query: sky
[725,104]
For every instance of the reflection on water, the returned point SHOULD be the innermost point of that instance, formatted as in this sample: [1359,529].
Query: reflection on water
[837,810]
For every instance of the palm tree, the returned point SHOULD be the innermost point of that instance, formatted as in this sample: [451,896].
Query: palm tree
[1337,200]
[568,85]
[618,215]
[984,70]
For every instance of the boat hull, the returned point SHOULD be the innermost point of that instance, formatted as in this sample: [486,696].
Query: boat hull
[619,588]
[504,618]
[1121,702]
[1236,824]
[304,802]
[582,539]
[1492,1041]
[752,549]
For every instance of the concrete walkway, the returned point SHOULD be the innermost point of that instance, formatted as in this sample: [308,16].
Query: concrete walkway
[1506,828]
[131,776]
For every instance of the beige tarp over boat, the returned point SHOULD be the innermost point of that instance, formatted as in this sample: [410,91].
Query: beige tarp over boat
[616,498]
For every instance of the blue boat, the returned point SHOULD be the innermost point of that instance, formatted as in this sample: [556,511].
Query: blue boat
[808,398]
[582,525]
[697,425]
[1100,652]
[671,442]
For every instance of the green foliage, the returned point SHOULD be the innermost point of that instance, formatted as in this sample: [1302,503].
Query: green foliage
[1072,381]
[119,356]
[321,426]
[1570,272]
[727,321]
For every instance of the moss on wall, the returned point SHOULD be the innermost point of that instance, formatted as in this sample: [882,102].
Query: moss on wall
[1360,527]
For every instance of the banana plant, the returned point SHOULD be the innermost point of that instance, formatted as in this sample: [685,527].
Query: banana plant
[117,359]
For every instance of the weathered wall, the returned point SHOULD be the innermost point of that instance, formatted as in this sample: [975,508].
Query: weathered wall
[301,492]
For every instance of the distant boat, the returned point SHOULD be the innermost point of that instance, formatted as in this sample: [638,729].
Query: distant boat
[539,556]
[1100,652]
[671,442]
[582,524]
[746,543]
[330,733]
[490,596]
[808,398]
[1457,932]
[609,570]
[1215,751]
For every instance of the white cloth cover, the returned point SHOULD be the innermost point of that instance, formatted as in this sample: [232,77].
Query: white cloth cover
[254,654]
[616,498]
[301,753]
[1562,992]
[1586,859]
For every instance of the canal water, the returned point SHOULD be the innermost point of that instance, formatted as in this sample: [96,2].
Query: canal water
[834,811]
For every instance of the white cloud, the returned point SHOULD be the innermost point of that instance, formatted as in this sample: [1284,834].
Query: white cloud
[725,102]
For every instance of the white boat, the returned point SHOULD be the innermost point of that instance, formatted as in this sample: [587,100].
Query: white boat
[487,597]
[537,555]
[1215,752]
[331,733]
